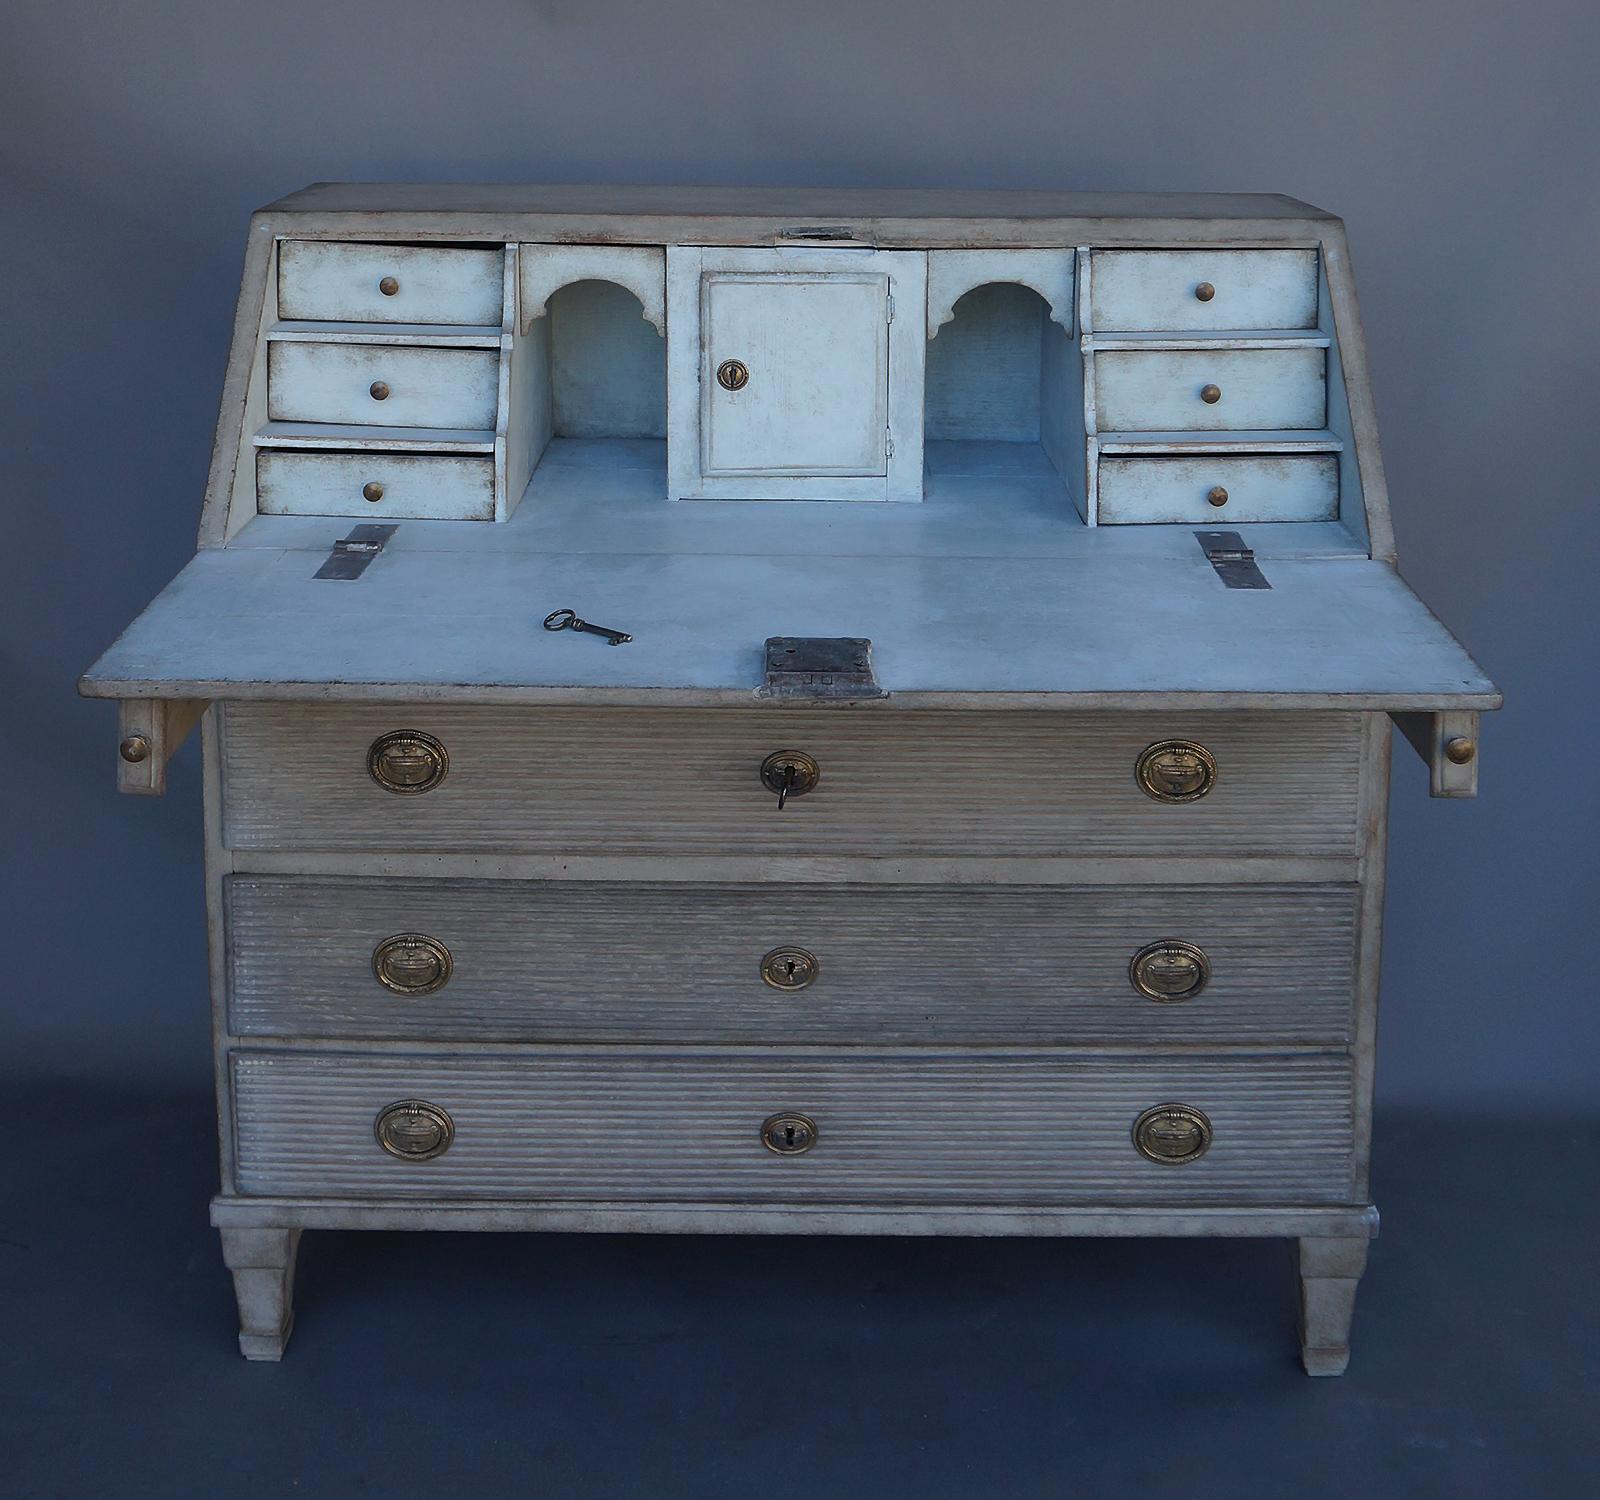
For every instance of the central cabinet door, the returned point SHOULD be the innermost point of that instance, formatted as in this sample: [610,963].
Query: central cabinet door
[795,374]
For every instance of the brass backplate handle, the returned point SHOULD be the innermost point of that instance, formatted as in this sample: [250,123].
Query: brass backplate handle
[407,762]
[1170,970]
[414,1130]
[1176,771]
[412,963]
[1172,1134]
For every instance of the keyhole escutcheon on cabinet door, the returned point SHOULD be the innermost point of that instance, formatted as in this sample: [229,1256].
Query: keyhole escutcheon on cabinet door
[795,373]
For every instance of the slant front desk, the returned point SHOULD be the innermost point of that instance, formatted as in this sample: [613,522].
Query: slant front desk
[966,812]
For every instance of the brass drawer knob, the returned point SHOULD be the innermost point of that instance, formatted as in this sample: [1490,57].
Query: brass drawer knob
[1211,394]
[372,492]
[1176,771]
[1172,1134]
[733,375]
[407,762]
[789,773]
[789,1134]
[412,963]
[414,1130]
[789,968]
[1216,495]
[378,390]
[1204,292]
[1460,751]
[135,748]
[1170,970]
[389,286]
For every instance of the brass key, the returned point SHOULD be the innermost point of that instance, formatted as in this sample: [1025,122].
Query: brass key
[566,619]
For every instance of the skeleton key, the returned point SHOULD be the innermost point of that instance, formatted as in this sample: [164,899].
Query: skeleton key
[566,619]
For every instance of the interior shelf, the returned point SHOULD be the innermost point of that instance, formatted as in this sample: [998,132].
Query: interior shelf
[374,439]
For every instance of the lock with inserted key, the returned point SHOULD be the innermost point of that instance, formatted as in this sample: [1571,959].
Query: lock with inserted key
[789,773]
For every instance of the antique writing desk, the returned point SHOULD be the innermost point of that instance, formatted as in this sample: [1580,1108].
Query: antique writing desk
[982,831]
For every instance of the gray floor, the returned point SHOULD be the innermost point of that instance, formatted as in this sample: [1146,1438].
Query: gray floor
[563,1366]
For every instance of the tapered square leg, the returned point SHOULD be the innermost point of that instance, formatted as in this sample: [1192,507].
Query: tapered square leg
[1330,1271]
[262,1262]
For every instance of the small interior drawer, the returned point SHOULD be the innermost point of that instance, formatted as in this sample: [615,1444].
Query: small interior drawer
[1219,487]
[1202,290]
[382,385]
[389,283]
[375,486]
[1210,390]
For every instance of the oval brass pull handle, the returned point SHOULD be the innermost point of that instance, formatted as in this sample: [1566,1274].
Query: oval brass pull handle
[389,286]
[1204,292]
[414,1130]
[378,390]
[789,968]
[1211,394]
[1172,1134]
[407,762]
[1176,771]
[789,1134]
[789,773]
[733,375]
[412,963]
[1217,496]
[1170,970]
[372,492]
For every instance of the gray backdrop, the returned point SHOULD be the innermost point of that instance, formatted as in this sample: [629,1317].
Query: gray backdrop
[1457,137]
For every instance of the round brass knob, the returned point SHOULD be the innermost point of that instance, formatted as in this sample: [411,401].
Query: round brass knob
[790,773]
[1211,394]
[1176,771]
[1172,1134]
[414,1130]
[372,492]
[388,286]
[135,749]
[1204,292]
[733,375]
[412,963]
[789,1134]
[1460,751]
[1216,495]
[1169,970]
[789,968]
[378,390]
[407,761]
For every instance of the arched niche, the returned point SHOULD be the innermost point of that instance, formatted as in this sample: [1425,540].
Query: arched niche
[954,273]
[545,269]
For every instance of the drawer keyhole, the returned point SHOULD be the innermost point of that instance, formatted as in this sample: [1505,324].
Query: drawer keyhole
[789,1134]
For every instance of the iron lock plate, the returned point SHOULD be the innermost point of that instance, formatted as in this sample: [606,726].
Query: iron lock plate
[808,668]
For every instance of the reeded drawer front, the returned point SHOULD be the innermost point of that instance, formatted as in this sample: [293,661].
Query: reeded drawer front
[675,782]
[376,486]
[1195,291]
[609,1124]
[382,385]
[1219,488]
[1210,390]
[576,961]
[389,283]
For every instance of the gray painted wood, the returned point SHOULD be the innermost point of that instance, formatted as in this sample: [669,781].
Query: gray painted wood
[335,484]
[687,782]
[1137,391]
[1155,289]
[622,961]
[893,1128]
[451,388]
[1260,487]
[345,283]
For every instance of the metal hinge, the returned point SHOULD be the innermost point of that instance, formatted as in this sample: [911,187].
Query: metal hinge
[890,317]
[351,554]
[1235,563]
[888,438]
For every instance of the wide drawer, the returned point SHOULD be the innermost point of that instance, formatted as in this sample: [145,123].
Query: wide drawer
[575,961]
[389,283]
[1210,390]
[382,385]
[379,486]
[1219,488]
[642,1125]
[688,781]
[1200,291]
